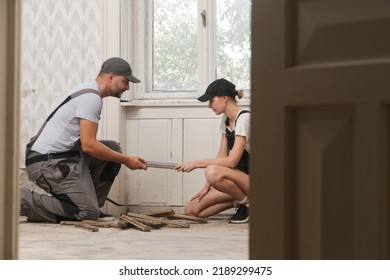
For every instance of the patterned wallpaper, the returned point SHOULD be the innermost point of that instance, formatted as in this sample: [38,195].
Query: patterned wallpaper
[61,46]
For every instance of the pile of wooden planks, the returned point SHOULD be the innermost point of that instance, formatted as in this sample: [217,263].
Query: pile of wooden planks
[145,222]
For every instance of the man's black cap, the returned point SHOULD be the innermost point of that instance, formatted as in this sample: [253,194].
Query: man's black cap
[119,67]
[220,87]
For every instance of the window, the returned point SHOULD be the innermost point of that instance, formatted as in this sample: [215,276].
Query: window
[178,47]
[233,50]
[175,51]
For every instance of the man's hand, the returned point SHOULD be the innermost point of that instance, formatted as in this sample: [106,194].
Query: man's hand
[135,162]
[92,146]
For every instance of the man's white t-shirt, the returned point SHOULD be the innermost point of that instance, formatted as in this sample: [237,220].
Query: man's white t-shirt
[63,130]
[241,128]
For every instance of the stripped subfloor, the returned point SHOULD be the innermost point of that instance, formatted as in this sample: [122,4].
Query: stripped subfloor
[216,239]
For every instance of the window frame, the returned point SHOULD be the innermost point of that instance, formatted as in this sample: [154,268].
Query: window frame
[136,46]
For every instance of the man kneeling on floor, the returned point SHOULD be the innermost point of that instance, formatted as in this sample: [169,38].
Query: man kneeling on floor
[66,160]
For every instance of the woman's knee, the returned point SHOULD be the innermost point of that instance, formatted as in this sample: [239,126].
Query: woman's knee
[187,210]
[213,174]
[191,210]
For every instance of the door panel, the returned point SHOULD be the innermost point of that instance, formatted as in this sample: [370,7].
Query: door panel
[320,83]
[337,31]
[322,184]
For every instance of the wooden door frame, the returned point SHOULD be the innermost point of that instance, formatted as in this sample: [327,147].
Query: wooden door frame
[9,128]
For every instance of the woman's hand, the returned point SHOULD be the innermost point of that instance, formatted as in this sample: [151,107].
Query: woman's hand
[201,193]
[186,166]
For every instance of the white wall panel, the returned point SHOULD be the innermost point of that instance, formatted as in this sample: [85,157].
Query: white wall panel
[60,47]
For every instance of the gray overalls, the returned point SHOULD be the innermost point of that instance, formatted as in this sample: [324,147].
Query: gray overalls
[78,183]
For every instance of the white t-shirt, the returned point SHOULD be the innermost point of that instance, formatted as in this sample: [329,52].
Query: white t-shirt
[241,128]
[63,130]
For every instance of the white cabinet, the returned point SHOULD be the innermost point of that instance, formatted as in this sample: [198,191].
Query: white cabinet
[173,134]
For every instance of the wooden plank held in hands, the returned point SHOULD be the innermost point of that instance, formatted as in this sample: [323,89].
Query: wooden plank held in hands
[159,164]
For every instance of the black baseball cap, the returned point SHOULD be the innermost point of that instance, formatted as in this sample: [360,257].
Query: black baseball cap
[119,67]
[220,87]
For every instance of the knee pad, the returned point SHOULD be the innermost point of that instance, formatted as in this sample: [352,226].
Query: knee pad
[110,171]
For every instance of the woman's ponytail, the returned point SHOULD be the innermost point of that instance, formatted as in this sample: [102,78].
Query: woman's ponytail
[240,93]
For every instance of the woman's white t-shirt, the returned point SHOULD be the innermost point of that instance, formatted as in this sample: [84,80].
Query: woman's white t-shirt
[241,128]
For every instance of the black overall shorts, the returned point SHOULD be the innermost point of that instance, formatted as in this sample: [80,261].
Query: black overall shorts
[243,164]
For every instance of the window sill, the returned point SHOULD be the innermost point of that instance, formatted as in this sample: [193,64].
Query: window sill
[172,103]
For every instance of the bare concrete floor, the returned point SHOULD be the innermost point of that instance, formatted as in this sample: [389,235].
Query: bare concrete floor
[216,239]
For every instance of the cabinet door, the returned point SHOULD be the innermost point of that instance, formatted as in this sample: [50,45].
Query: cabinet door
[155,145]
[201,141]
[151,139]
[169,140]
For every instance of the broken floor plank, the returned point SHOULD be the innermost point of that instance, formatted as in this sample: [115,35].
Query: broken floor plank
[98,223]
[86,227]
[187,217]
[170,213]
[81,225]
[135,223]
[153,224]
[163,221]
[160,213]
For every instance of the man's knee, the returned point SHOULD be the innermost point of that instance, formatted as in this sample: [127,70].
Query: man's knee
[113,145]
[25,200]
[110,171]
[89,214]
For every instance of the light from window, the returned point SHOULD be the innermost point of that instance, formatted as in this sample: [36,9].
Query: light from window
[175,45]
[233,41]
